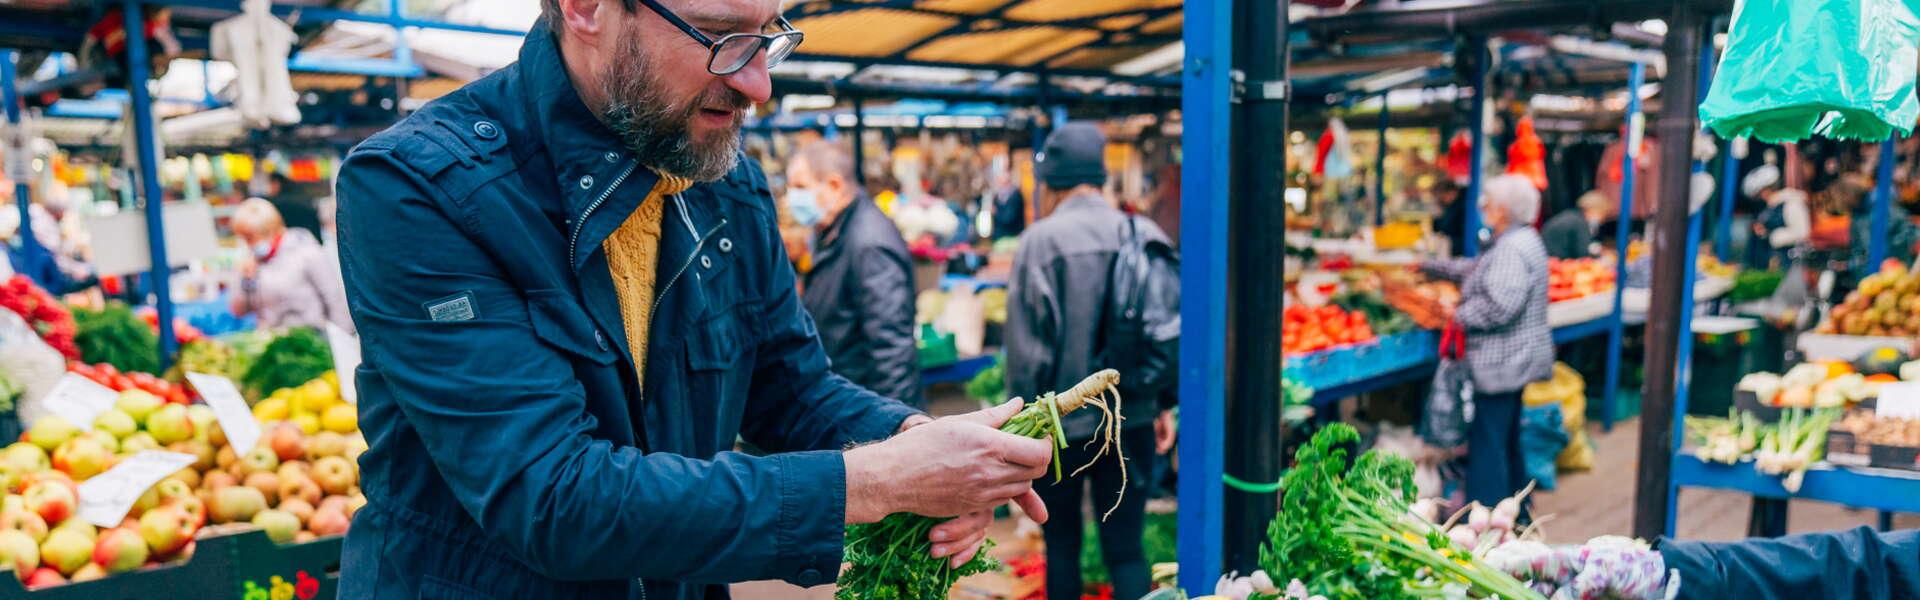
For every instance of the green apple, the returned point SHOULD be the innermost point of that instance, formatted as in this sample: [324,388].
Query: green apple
[280,525]
[19,550]
[106,440]
[166,529]
[138,442]
[137,404]
[51,431]
[237,503]
[334,474]
[202,417]
[261,459]
[66,550]
[23,458]
[81,457]
[116,422]
[170,424]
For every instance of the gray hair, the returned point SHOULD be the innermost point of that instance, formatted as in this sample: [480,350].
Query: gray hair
[826,158]
[1514,194]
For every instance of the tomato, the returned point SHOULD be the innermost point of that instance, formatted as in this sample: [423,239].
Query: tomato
[121,383]
[107,369]
[176,395]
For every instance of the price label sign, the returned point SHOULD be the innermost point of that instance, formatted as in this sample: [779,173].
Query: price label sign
[78,400]
[346,358]
[106,498]
[1898,401]
[229,409]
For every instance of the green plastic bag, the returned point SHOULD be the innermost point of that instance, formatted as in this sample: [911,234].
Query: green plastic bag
[1841,69]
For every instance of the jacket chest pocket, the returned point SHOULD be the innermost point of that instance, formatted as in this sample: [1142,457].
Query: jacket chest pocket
[559,321]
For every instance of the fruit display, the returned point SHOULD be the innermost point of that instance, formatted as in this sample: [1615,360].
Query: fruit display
[294,485]
[1709,265]
[292,359]
[1886,304]
[1824,384]
[209,356]
[48,316]
[1426,303]
[105,374]
[1884,431]
[313,406]
[1304,329]
[113,335]
[1568,279]
[1383,317]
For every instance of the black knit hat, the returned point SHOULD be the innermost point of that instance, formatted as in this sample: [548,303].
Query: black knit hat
[1075,155]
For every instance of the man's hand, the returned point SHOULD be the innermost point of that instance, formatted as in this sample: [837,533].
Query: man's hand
[962,537]
[948,467]
[913,421]
[1164,432]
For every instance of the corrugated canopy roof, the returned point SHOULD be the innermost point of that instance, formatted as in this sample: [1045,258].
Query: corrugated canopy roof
[1083,35]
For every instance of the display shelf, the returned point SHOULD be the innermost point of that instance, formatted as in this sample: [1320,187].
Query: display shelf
[1424,367]
[958,372]
[1876,488]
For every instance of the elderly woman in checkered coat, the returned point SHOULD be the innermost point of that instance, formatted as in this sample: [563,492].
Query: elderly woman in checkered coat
[1503,309]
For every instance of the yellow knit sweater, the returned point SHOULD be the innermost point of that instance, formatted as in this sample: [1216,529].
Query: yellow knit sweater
[633,255]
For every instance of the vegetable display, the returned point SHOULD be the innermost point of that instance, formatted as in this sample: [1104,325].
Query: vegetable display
[892,559]
[113,335]
[1785,449]
[1305,329]
[289,360]
[1884,431]
[1568,279]
[989,386]
[1347,532]
[1381,316]
[208,356]
[106,375]
[1828,384]
[46,315]
[1426,303]
[1609,567]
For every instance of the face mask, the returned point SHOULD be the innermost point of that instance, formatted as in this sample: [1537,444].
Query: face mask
[262,249]
[804,205]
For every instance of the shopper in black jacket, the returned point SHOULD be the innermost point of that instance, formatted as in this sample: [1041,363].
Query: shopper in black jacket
[860,289]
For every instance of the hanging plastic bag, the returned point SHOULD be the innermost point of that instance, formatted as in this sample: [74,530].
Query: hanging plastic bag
[1450,402]
[1334,154]
[1527,157]
[1842,69]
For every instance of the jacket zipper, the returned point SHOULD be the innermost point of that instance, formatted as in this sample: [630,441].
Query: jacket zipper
[573,241]
[699,244]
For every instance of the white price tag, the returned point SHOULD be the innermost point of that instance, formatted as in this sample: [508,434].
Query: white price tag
[78,400]
[236,419]
[346,358]
[1898,401]
[106,498]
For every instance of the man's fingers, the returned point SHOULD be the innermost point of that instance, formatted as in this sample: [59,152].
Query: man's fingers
[958,527]
[944,550]
[966,555]
[1031,504]
[1024,451]
[993,416]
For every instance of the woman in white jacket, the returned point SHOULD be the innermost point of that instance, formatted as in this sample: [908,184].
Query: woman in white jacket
[1786,221]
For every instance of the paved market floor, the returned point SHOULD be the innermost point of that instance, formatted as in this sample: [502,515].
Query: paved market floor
[1589,504]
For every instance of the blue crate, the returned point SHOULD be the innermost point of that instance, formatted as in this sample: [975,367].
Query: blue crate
[1358,362]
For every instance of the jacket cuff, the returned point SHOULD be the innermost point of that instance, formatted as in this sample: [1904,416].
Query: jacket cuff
[1695,561]
[813,515]
[883,423]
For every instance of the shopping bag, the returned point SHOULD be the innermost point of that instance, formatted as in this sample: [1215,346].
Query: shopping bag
[1542,437]
[1449,406]
[1842,69]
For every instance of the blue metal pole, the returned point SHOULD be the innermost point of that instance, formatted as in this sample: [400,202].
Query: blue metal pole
[1477,124]
[1380,167]
[402,53]
[1723,230]
[1622,230]
[1882,205]
[149,180]
[1205,176]
[22,194]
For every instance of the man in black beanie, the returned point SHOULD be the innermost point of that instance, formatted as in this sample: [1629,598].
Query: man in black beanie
[1055,308]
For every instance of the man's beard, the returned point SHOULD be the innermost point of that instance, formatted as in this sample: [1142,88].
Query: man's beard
[657,129]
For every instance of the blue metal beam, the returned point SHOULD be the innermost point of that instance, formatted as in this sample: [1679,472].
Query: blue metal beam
[1205,176]
[1723,228]
[1882,205]
[371,67]
[1477,125]
[1380,166]
[22,195]
[1623,230]
[320,14]
[144,134]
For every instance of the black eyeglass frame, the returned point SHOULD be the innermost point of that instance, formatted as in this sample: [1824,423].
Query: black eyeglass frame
[762,41]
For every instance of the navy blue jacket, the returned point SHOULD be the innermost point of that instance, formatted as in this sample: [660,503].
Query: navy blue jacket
[1857,563]
[511,454]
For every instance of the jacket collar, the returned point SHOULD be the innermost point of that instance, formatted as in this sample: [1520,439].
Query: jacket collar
[830,236]
[1092,201]
[587,157]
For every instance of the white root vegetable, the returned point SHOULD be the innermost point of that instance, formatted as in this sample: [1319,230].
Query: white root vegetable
[1463,536]
[1478,518]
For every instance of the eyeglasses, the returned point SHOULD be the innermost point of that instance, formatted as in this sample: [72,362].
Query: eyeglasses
[733,51]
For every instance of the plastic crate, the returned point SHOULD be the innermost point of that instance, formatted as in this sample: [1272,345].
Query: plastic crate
[1843,448]
[1904,458]
[224,565]
[1402,351]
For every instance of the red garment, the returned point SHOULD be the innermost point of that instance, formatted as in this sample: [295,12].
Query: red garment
[1646,175]
[1527,157]
[1459,159]
[111,31]
[1320,153]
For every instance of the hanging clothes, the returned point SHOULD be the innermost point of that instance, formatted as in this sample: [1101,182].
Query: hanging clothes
[1459,159]
[1646,175]
[257,44]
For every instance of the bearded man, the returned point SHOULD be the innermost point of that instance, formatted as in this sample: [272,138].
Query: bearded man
[572,300]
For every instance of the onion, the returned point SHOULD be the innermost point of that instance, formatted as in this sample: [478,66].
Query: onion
[1463,536]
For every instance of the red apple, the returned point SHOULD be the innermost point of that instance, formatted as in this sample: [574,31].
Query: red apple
[287,441]
[24,521]
[120,550]
[52,500]
[218,479]
[267,483]
[166,529]
[81,457]
[299,487]
[326,522]
[300,509]
[45,577]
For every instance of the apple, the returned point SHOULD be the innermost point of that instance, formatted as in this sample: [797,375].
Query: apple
[45,577]
[116,423]
[138,442]
[338,503]
[287,441]
[280,525]
[202,452]
[308,423]
[51,431]
[215,480]
[52,500]
[266,482]
[23,457]
[147,500]
[212,434]
[66,550]
[356,444]
[225,457]
[326,443]
[166,529]
[293,468]
[18,518]
[89,572]
[203,418]
[18,550]
[304,536]
[355,503]
[120,550]
[170,424]
[237,503]
[328,521]
[298,487]
[112,444]
[261,459]
[196,506]
[137,404]
[187,476]
[81,457]
[78,526]
[299,508]
[334,474]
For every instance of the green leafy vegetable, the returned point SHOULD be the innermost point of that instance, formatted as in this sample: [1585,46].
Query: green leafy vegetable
[115,336]
[989,386]
[292,359]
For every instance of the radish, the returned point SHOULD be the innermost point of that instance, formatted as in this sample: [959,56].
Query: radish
[1478,518]
[1463,536]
